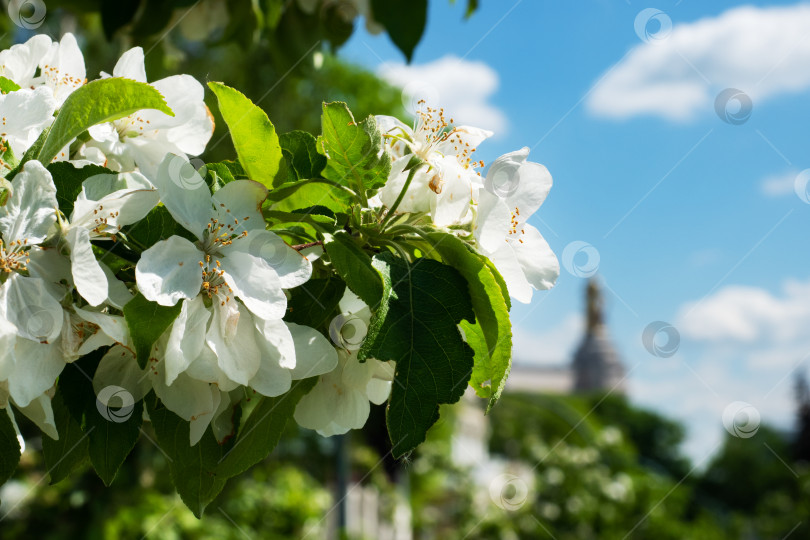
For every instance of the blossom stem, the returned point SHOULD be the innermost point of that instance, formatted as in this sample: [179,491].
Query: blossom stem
[413,165]
[299,247]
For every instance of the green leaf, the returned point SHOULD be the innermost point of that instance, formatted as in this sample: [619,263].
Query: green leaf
[63,456]
[193,468]
[262,430]
[224,171]
[68,181]
[156,226]
[96,102]
[147,321]
[417,326]
[111,436]
[7,85]
[253,135]
[491,314]
[111,430]
[404,20]
[8,161]
[300,149]
[307,193]
[313,303]
[354,152]
[354,265]
[9,447]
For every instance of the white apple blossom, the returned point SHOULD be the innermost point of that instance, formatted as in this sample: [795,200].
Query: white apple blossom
[23,115]
[144,138]
[339,401]
[516,189]
[448,182]
[39,62]
[229,332]
[106,203]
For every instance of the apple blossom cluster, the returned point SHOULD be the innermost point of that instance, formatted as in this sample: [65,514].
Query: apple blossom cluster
[371,264]
[495,209]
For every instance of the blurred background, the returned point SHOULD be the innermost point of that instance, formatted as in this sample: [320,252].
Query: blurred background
[658,391]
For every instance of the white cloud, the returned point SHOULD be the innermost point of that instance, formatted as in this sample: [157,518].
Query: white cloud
[554,346]
[744,315]
[777,185]
[741,343]
[462,87]
[762,51]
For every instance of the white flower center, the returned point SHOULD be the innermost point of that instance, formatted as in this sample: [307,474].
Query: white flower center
[131,126]
[218,234]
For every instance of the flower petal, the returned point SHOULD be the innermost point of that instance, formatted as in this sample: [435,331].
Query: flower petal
[131,65]
[539,263]
[170,271]
[185,194]
[26,303]
[241,201]
[31,210]
[256,283]
[314,354]
[293,268]
[187,337]
[89,278]
[37,367]
[232,337]
[120,368]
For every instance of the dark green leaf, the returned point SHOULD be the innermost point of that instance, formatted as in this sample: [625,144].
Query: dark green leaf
[314,303]
[9,447]
[354,265]
[147,321]
[99,101]
[417,326]
[113,431]
[156,226]
[70,451]
[262,430]
[193,468]
[111,427]
[354,152]
[404,20]
[68,181]
[299,147]
[253,135]
[491,313]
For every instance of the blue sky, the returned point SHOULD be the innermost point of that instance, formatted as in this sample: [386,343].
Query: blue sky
[695,220]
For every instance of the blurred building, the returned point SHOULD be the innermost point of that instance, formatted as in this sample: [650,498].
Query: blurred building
[596,366]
